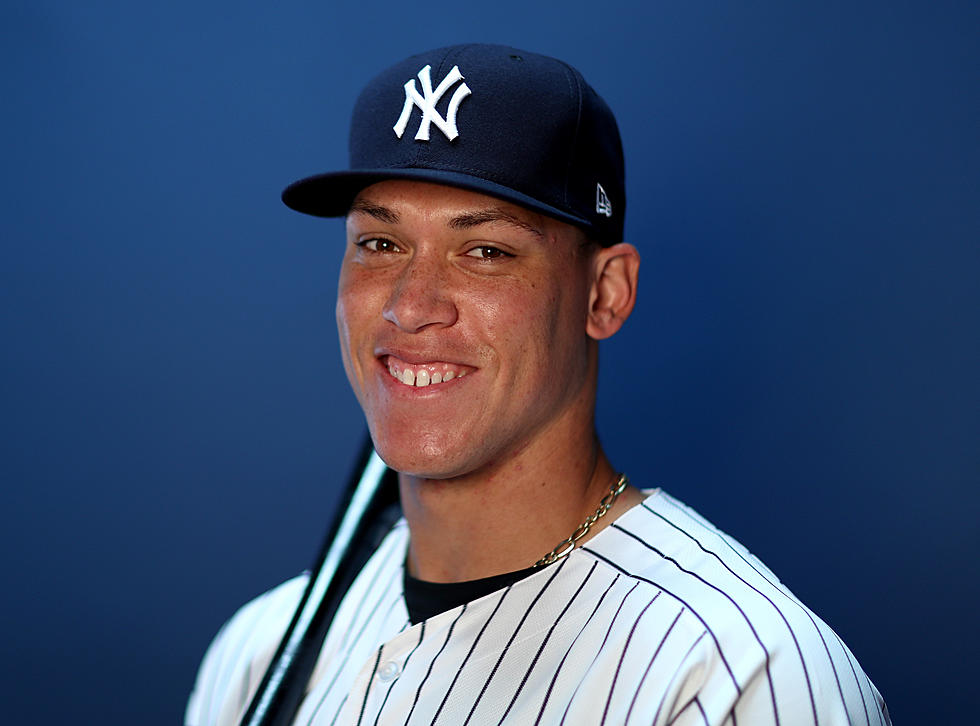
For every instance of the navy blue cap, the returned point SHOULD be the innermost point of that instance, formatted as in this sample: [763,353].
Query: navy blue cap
[515,125]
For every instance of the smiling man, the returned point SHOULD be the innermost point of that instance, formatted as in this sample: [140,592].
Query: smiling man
[468,327]
[528,581]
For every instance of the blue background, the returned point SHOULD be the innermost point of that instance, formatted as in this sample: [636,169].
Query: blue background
[802,366]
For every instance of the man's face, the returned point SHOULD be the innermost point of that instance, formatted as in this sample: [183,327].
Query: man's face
[462,323]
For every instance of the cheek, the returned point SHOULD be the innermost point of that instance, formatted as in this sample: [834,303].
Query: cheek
[538,327]
[355,294]
[343,334]
[503,313]
[352,313]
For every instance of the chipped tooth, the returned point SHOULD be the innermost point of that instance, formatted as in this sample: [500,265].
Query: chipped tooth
[436,377]
[422,378]
[448,376]
[408,377]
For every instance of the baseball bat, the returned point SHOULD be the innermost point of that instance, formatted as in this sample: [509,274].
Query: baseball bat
[363,517]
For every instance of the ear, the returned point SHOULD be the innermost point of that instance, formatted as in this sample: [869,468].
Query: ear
[613,293]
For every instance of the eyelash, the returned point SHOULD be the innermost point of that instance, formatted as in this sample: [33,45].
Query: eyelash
[495,252]
[499,253]
[365,244]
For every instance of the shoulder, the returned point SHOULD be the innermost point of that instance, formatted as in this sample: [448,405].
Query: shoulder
[239,655]
[241,652]
[758,637]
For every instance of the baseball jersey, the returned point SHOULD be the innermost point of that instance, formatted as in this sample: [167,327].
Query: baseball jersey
[658,619]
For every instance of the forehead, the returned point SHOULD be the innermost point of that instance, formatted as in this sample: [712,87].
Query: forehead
[409,202]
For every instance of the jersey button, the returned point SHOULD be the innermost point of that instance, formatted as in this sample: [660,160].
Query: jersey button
[389,671]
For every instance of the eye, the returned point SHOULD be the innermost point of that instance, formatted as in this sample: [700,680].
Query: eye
[487,252]
[379,244]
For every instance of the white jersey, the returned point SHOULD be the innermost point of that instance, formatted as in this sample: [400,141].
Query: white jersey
[658,619]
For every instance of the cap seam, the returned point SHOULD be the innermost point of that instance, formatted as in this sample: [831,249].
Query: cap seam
[575,89]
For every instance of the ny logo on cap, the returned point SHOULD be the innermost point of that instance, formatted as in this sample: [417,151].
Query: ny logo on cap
[427,104]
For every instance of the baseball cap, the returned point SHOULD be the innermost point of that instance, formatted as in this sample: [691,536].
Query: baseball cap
[516,125]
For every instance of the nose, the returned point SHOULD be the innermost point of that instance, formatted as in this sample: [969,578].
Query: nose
[421,297]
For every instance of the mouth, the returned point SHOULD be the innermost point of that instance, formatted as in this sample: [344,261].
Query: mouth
[421,375]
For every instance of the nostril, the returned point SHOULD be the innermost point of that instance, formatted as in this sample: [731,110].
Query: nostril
[418,303]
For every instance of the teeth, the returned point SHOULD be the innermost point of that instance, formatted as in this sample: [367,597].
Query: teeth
[422,377]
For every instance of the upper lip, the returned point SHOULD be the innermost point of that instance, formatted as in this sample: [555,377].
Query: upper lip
[418,356]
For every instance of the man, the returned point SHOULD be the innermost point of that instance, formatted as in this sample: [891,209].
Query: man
[528,582]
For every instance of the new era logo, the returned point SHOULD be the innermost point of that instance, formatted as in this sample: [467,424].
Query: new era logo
[602,203]
[427,104]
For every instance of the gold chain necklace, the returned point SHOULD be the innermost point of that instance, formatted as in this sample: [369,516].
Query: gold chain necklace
[566,546]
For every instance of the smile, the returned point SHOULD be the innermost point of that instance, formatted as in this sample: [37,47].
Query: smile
[420,375]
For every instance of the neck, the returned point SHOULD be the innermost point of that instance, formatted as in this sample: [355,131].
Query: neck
[506,517]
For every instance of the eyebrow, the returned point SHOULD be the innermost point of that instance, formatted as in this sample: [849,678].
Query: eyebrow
[377,211]
[467,220]
[489,216]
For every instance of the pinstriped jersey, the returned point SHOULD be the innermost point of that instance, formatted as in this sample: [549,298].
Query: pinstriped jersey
[659,619]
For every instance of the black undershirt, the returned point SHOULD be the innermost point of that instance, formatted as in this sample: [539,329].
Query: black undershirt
[425,599]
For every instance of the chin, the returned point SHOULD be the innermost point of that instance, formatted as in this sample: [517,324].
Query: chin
[427,457]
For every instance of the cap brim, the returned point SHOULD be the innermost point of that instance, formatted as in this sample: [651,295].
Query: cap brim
[331,194]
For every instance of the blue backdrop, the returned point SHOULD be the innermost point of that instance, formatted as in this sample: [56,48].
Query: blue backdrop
[175,419]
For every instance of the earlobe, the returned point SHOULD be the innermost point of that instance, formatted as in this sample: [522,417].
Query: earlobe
[613,292]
